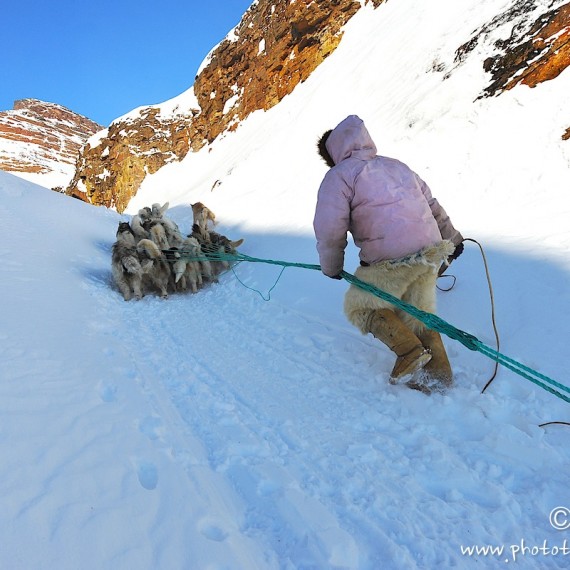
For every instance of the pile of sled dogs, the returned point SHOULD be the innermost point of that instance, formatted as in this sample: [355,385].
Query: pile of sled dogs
[151,254]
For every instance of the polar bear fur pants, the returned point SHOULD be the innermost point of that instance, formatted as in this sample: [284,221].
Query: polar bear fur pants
[411,279]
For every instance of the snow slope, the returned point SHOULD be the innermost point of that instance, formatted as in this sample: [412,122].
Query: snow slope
[219,431]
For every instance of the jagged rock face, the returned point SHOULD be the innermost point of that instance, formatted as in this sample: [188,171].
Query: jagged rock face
[537,50]
[113,164]
[39,137]
[277,45]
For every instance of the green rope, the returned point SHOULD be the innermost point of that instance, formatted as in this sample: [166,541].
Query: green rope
[264,297]
[429,319]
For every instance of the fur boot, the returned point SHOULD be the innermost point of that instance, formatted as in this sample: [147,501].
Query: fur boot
[387,327]
[437,372]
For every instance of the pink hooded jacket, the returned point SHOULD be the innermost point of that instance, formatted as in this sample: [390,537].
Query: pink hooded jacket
[388,209]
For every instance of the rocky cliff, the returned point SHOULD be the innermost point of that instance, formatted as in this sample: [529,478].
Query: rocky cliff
[44,139]
[537,49]
[277,45]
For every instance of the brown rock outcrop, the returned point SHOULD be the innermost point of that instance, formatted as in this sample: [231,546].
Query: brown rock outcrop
[277,45]
[38,137]
[537,50]
[113,164]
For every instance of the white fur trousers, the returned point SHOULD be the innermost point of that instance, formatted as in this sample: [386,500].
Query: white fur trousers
[411,279]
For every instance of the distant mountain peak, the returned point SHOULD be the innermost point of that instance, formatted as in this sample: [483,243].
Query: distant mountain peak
[42,139]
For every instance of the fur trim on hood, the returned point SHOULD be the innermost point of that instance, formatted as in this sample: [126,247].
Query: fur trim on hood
[322,148]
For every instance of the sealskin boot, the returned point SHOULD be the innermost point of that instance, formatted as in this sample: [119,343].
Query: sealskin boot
[438,369]
[387,327]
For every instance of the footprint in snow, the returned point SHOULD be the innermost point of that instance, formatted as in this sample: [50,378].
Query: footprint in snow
[147,474]
[212,531]
[151,426]
[107,392]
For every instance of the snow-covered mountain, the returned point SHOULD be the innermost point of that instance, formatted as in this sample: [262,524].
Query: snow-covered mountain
[40,141]
[217,430]
[279,44]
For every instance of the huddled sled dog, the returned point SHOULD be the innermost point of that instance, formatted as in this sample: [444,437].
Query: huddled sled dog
[152,255]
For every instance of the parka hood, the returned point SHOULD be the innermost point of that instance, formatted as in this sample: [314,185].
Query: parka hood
[350,138]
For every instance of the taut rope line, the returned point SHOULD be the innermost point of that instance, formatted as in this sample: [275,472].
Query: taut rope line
[429,319]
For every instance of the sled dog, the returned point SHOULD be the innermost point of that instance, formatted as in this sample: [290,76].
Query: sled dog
[125,265]
[216,245]
[138,222]
[188,266]
[202,215]
[155,268]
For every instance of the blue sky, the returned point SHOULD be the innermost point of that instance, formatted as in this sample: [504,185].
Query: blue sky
[102,59]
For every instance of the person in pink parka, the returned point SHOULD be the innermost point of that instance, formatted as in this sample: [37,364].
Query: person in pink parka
[404,237]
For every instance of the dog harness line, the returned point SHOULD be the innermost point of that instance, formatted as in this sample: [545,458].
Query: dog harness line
[429,319]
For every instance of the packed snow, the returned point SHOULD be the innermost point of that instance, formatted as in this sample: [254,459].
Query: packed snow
[218,430]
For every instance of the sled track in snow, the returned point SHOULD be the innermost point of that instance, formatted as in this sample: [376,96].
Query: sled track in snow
[202,367]
[294,419]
